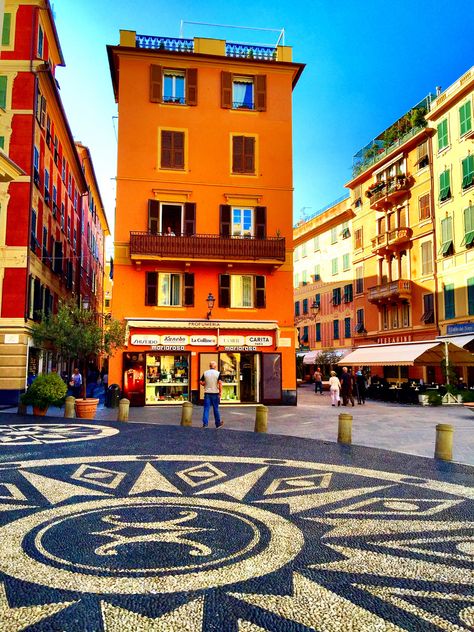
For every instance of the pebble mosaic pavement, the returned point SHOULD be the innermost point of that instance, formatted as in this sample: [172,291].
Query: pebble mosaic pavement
[118,527]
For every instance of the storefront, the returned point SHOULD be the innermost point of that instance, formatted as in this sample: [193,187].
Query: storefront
[164,361]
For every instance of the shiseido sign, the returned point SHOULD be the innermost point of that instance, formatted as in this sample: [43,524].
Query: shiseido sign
[144,339]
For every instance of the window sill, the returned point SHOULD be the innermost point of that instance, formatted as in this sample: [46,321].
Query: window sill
[173,169]
[468,189]
[444,150]
[244,174]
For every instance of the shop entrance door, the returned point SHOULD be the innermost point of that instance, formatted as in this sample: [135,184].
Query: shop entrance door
[249,377]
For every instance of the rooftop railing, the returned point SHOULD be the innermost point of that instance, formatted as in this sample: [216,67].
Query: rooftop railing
[250,51]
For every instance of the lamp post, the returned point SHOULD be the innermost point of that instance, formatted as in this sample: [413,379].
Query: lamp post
[210,300]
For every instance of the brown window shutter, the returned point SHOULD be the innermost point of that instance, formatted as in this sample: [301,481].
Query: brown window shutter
[43,112]
[224,290]
[226,90]
[260,222]
[191,86]
[261,93]
[166,148]
[189,219]
[156,74]
[153,216]
[225,220]
[260,291]
[151,291]
[188,289]
[237,154]
[249,154]
[177,159]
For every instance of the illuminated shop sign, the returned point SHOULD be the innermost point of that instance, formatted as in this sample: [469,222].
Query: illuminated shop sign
[259,341]
[202,340]
[144,339]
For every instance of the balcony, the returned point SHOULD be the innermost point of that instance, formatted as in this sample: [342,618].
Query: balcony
[391,240]
[386,193]
[144,245]
[390,292]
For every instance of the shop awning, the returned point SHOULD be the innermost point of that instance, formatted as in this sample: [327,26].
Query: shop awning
[460,340]
[310,356]
[157,323]
[408,354]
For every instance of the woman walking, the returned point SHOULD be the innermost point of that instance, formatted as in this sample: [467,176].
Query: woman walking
[361,388]
[334,389]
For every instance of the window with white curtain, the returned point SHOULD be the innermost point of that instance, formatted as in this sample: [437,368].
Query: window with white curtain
[169,289]
[241,290]
[242,92]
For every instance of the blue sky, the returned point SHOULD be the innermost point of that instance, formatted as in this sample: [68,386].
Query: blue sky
[367,63]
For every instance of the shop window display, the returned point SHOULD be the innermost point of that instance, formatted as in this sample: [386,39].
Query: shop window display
[229,366]
[167,378]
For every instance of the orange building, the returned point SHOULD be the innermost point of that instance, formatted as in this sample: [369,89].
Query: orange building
[394,239]
[203,230]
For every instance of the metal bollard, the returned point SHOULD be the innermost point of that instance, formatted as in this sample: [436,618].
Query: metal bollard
[69,409]
[261,418]
[344,431]
[187,414]
[123,408]
[22,409]
[444,442]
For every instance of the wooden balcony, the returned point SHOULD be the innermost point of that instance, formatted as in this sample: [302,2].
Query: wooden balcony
[145,245]
[391,240]
[390,292]
[385,195]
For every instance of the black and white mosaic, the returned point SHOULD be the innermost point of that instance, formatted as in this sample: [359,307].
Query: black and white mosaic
[222,531]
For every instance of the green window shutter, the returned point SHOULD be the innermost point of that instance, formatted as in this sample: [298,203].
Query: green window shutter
[465,123]
[470,296]
[2,142]
[7,21]
[443,134]
[467,172]
[449,308]
[3,92]
[444,186]
[468,239]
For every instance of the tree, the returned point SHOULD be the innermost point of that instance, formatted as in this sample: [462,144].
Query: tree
[76,334]
[327,359]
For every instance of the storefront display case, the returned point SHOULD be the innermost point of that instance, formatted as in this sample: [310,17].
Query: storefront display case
[229,367]
[167,378]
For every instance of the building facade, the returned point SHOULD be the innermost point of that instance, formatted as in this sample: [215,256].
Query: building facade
[324,281]
[452,122]
[394,238]
[42,207]
[203,241]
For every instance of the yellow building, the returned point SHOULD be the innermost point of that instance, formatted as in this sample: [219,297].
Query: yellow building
[393,232]
[323,280]
[451,119]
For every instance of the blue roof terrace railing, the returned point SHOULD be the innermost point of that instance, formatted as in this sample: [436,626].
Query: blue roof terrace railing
[250,51]
[174,44]
[181,45]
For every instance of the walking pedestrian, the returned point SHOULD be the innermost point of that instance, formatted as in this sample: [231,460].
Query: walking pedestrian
[347,382]
[361,386]
[212,382]
[318,381]
[76,383]
[334,389]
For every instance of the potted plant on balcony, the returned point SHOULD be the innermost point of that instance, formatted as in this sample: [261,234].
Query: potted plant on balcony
[45,391]
[80,335]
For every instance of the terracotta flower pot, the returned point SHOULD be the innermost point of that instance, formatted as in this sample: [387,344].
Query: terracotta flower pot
[39,412]
[86,408]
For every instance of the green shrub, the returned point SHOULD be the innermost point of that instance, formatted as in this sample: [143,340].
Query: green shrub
[435,399]
[467,396]
[47,390]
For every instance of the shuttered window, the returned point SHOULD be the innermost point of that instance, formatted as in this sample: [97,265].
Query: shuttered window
[191,86]
[358,239]
[243,154]
[428,309]
[467,172]
[7,19]
[225,220]
[468,239]
[243,92]
[470,296]
[348,294]
[449,306]
[334,266]
[155,83]
[151,289]
[359,280]
[318,332]
[427,258]
[226,90]
[335,328]
[336,296]
[444,186]
[172,150]
[443,134]
[3,92]
[465,120]
[347,327]
[446,237]
[241,291]
[422,155]
[424,206]
[189,219]
[188,289]
[297,308]
[153,216]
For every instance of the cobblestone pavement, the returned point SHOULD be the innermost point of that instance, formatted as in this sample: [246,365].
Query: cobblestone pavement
[111,527]
[402,428]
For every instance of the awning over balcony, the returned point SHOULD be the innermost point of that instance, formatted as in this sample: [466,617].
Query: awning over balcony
[408,354]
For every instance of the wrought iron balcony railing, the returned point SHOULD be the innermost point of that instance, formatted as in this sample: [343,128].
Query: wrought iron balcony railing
[392,291]
[147,244]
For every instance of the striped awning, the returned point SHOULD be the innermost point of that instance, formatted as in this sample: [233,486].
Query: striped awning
[408,354]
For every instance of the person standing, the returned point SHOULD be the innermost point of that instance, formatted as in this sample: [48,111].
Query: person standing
[76,383]
[346,387]
[211,380]
[360,385]
[334,389]
[318,381]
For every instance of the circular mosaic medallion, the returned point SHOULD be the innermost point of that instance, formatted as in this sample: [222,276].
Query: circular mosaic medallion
[39,434]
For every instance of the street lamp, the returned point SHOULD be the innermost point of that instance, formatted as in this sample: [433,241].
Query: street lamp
[210,304]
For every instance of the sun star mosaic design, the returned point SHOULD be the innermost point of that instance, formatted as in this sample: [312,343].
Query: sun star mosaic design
[203,543]
[40,434]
